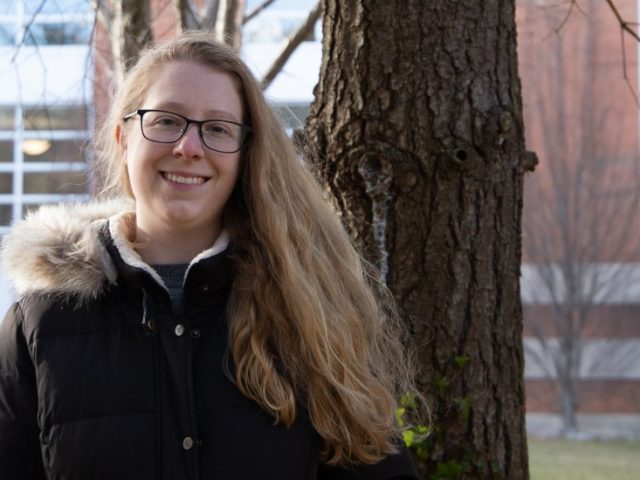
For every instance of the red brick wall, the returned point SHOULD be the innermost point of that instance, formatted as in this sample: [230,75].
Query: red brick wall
[620,321]
[596,396]
[576,103]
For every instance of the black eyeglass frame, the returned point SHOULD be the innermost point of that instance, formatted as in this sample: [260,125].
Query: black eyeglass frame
[245,130]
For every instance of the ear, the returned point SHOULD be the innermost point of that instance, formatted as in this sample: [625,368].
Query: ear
[120,138]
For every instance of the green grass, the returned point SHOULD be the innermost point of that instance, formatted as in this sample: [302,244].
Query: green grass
[574,460]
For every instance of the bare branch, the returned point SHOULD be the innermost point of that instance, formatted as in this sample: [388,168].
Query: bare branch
[256,11]
[26,29]
[298,37]
[624,25]
[566,17]
[572,4]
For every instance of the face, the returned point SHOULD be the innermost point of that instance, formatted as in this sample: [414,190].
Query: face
[183,185]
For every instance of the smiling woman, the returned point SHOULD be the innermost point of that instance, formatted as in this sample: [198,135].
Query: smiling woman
[210,318]
[179,181]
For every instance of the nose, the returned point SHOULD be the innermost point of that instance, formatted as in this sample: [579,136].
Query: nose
[190,146]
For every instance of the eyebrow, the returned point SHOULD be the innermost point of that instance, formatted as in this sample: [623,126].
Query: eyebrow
[209,114]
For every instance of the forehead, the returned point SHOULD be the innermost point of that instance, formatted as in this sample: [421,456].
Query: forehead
[191,88]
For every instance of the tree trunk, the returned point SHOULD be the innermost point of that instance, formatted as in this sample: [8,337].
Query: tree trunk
[187,15]
[229,22]
[418,126]
[131,32]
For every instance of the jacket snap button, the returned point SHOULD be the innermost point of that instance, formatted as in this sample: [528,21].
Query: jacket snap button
[195,333]
[187,443]
[179,330]
[204,288]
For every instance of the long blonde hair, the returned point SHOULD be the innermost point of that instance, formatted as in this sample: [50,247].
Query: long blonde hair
[305,327]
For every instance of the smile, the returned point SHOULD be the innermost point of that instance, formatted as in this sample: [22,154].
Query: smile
[183,180]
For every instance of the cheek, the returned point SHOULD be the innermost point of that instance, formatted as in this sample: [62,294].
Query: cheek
[237,166]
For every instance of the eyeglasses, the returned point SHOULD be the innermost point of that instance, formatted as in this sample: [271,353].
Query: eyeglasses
[167,127]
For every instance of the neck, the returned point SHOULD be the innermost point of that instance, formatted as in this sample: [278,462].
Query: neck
[171,246]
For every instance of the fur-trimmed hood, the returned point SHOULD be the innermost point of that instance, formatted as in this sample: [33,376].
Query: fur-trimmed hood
[57,251]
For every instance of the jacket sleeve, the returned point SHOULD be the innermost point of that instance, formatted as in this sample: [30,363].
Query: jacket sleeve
[20,456]
[394,467]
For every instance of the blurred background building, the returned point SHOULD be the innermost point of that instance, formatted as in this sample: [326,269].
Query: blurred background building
[581,224]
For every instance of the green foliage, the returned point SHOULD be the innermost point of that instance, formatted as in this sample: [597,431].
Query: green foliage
[462,361]
[426,441]
[442,385]
[452,470]
[415,436]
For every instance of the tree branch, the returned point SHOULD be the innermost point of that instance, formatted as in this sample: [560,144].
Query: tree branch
[104,13]
[292,44]
[188,18]
[624,25]
[256,11]
[26,29]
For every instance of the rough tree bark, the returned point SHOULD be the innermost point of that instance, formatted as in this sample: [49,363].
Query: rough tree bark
[418,126]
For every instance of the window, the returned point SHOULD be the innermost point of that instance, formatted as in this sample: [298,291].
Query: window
[50,22]
[6,183]
[5,214]
[6,118]
[6,151]
[292,116]
[44,160]
[7,33]
[55,118]
[57,34]
[55,6]
[54,182]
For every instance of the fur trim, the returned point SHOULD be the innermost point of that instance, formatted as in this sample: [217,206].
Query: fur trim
[56,251]
[120,224]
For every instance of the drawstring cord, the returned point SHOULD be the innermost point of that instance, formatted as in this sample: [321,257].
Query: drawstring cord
[147,322]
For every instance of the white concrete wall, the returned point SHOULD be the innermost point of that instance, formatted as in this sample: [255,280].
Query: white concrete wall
[613,358]
[5,296]
[590,426]
[47,75]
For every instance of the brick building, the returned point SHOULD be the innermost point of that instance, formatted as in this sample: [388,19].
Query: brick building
[581,272]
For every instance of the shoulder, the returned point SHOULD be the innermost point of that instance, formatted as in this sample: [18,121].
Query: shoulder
[56,252]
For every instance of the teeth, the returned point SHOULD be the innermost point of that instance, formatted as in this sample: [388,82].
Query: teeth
[184,180]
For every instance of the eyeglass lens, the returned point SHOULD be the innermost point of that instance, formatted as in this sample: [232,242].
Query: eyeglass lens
[166,127]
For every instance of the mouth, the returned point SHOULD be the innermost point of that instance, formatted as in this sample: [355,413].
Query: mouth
[184,179]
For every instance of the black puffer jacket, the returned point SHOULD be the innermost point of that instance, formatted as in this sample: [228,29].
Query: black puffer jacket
[100,379]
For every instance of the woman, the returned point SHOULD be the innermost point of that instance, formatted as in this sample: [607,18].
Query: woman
[218,325]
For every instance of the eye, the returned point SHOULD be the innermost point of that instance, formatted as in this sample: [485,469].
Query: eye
[217,129]
[167,121]
[161,119]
